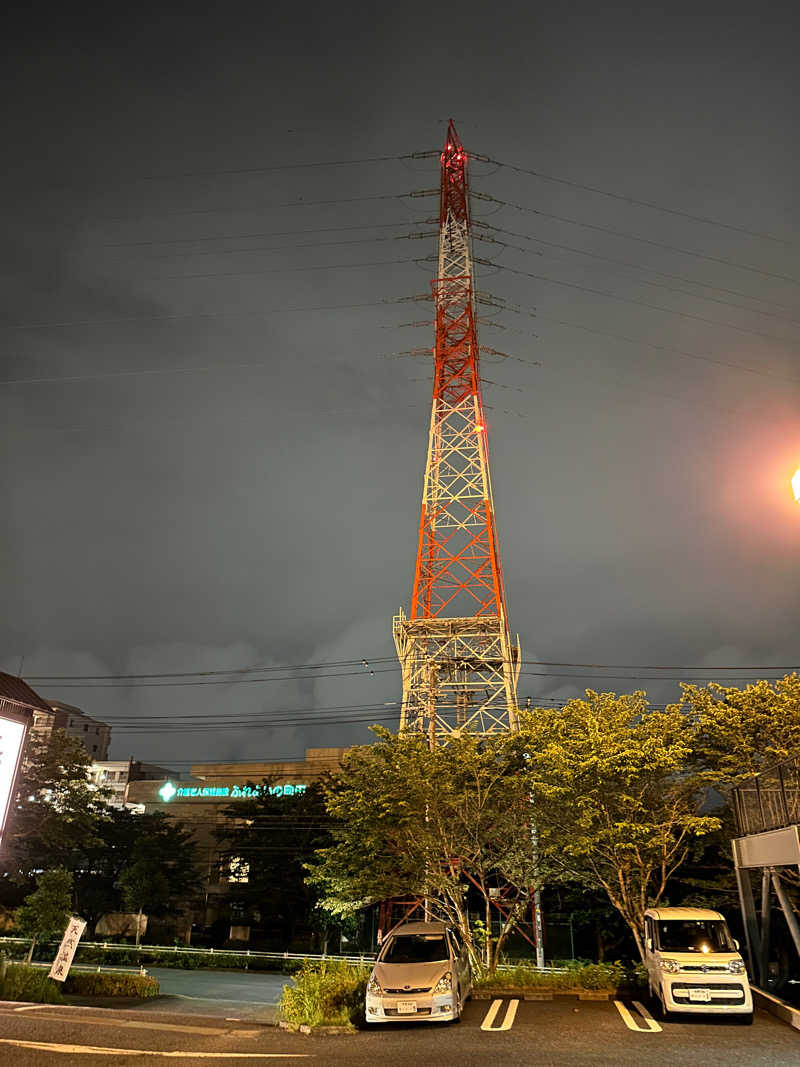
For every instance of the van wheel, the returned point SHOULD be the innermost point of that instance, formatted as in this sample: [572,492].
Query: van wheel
[459,1008]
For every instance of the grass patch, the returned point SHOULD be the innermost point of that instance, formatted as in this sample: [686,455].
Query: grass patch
[327,993]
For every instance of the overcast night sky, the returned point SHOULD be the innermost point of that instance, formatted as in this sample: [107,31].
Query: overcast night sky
[198,476]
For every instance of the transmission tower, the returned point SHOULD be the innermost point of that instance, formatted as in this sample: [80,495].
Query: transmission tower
[459,667]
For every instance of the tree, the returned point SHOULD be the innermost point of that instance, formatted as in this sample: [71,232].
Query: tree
[408,821]
[58,813]
[266,842]
[46,912]
[738,732]
[123,839]
[615,804]
[161,871]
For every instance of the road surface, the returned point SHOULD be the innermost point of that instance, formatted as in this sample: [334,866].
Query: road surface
[561,1033]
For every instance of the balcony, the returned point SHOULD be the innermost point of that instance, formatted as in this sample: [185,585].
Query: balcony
[769,800]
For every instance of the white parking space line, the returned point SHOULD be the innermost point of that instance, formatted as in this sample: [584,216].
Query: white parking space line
[508,1019]
[97,1050]
[650,1027]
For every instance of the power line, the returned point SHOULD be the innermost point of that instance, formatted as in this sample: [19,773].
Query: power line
[685,353]
[659,273]
[249,235]
[632,200]
[634,237]
[285,270]
[416,194]
[265,313]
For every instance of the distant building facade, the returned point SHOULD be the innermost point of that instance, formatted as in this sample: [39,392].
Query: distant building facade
[201,803]
[115,776]
[94,735]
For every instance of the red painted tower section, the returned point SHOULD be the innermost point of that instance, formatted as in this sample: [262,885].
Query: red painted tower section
[459,669]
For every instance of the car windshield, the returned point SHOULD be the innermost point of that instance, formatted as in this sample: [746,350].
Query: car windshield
[416,948]
[694,935]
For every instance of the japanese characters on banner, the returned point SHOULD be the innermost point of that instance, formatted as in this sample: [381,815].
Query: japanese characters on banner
[12,735]
[63,961]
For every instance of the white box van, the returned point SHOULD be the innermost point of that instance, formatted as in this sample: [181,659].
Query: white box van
[693,963]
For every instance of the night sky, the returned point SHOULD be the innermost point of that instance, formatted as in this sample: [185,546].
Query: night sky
[213,454]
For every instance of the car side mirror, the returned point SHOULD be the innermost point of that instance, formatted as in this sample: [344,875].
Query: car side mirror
[736,944]
[650,943]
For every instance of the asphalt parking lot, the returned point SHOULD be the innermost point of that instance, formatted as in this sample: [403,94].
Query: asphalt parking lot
[512,1032]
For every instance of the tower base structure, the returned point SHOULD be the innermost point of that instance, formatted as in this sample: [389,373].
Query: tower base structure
[459,674]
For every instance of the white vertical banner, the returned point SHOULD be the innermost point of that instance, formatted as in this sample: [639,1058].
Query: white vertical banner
[63,961]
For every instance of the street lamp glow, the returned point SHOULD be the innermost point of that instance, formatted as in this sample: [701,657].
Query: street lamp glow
[796,485]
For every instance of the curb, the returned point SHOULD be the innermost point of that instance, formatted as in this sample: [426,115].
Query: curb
[545,994]
[787,1013]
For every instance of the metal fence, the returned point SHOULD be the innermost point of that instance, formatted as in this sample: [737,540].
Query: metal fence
[768,800]
[243,954]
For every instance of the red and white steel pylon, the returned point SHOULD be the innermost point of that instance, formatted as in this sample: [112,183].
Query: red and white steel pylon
[459,667]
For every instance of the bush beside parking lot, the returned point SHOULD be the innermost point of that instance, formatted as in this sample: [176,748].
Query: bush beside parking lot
[577,978]
[326,993]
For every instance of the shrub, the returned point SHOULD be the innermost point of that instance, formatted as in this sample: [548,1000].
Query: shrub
[583,976]
[22,982]
[326,994]
[93,984]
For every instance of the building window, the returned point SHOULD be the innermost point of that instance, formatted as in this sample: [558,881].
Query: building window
[86,729]
[238,870]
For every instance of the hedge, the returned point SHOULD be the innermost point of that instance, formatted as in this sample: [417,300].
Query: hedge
[586,976]
[33,984]
[29,983]
[94,984]
[326,993]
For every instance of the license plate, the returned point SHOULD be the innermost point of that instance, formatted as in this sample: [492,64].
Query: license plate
[700,996]
[406,1007]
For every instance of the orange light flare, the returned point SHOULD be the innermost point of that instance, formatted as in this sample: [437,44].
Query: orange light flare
[796,485]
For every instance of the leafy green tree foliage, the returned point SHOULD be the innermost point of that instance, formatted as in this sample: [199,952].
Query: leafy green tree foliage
[614,803]
[58,814]
[125,839]
[160,876]
[738,732]
[408,821]
[264,846]
[45,913]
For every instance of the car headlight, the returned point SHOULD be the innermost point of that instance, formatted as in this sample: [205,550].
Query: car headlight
[736,966]
[670,966]
[374,986]
[445,983]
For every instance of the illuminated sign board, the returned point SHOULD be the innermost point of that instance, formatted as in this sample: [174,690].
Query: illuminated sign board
[12,738]
[243,791]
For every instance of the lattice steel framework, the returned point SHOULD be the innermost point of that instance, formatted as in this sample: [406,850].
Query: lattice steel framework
[459,667]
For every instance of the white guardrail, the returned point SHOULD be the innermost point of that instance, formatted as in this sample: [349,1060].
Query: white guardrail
[363,958]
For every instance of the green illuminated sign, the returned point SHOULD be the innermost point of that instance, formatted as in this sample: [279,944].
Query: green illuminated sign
[232,792]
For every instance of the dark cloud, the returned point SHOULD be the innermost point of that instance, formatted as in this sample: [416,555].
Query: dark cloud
[222,481]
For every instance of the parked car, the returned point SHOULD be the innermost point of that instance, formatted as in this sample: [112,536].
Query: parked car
[693,963]
[422,973]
